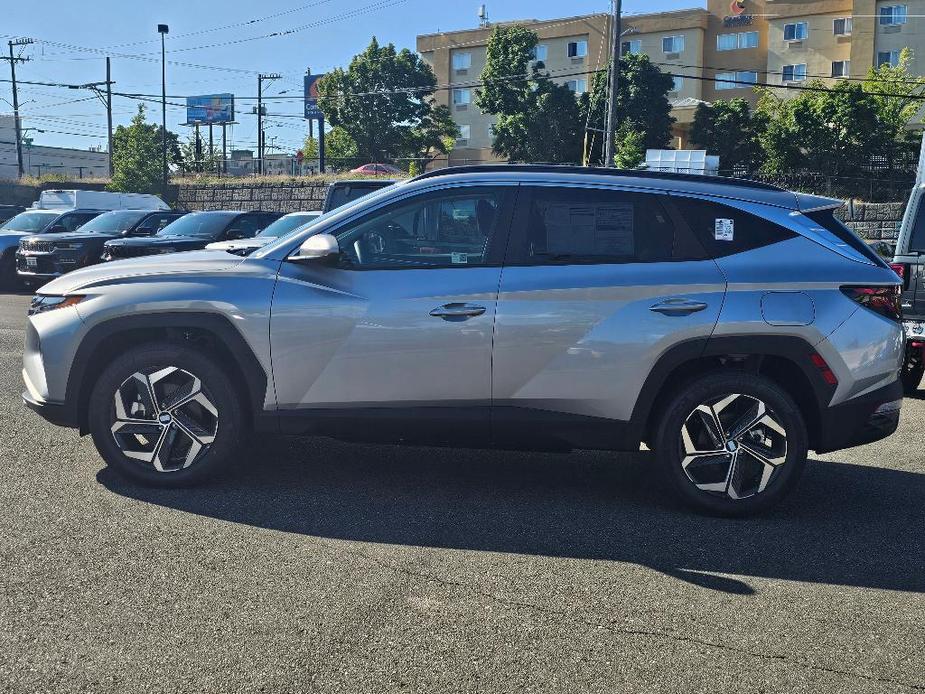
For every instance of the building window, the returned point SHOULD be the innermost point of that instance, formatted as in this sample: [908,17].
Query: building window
[842,26]
[730,42]
[577,86]
[794,73]
[677,84]
[888,58]
[462,61]
[735,80]
[632,46]
[796,31]
[464,132]
[672,44]
[841,68]
[892,15]
[577,49]
[540,51]
[462,97]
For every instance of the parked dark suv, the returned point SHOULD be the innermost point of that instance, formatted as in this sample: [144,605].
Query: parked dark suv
[44,256]
[191,232]
[341,192]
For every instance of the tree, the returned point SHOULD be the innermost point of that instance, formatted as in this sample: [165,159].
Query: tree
[830,131]
[897,94]
[203,161]
[339,148]
[642,100]
[384,102]
[629,150]
[136,155]
[536,118]
[728,129]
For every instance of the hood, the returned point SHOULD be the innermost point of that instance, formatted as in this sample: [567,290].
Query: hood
[253,242]
[116,272]
[157,241]
[11,239]
[71,236]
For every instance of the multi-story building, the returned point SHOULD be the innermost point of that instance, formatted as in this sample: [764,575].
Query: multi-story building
[719,52]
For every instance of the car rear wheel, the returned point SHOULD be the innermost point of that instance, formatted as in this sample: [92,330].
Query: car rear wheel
[165,415]
[731,444]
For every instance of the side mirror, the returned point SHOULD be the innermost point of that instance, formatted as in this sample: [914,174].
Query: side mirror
[317,247]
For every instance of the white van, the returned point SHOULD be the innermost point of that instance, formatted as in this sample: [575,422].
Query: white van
[97,200]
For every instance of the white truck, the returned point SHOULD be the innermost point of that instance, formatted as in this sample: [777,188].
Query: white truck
[97,200]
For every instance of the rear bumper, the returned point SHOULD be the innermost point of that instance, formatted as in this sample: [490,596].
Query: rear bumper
[861,420]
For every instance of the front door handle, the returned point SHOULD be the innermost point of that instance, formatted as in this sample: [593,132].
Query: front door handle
[457,311]
[678,306]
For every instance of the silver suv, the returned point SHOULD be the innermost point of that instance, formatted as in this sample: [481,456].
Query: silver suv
[730,326]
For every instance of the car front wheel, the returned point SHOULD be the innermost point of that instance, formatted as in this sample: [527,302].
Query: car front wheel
[731,444]
[165,415]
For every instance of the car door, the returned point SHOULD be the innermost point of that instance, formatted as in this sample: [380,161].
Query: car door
[393,340]
[598,283]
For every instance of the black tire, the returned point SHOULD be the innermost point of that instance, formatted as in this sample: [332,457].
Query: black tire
[911,376]
[217,388]
[749,471]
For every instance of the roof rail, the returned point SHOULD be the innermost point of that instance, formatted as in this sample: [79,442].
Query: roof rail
[597,171]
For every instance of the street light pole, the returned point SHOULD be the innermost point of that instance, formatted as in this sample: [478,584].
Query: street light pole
[616,37]
[163,30]
[260,80]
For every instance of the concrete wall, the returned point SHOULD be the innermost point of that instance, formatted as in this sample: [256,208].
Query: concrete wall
[293,196]
[874,220]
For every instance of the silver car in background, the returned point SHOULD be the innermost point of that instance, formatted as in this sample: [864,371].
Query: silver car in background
[729,325]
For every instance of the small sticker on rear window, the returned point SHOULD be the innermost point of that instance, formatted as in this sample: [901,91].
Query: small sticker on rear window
[459,258]
[723,229]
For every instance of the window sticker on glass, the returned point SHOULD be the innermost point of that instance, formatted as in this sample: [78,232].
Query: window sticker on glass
[723,229]
[589,229]
[459,258]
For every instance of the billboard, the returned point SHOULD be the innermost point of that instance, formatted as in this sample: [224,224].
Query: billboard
[311,97]
[210,108]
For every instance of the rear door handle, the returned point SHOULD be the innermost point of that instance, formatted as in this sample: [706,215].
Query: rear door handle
[457,311]
[678,306]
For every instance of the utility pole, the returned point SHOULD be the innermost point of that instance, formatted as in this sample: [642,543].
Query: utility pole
[260,80]
[107,102]
[17,125]
[163,30]
[616,35]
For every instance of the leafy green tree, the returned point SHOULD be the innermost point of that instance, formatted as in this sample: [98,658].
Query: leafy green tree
[727,128]
[642,99]
[897,94]
[136,155]
[384,102]
[831,131]
[204,161]
[536,118]
[339,148]
[629,148]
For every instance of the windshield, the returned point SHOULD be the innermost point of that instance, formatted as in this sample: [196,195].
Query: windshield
[113,221]
[201,225]
[30,221]
[284,225]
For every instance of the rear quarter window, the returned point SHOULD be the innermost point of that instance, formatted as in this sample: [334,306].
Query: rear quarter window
[725,230]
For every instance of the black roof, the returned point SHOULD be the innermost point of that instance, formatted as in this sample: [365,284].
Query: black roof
[596,171]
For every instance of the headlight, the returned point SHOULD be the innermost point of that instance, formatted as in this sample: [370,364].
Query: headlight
[43,302]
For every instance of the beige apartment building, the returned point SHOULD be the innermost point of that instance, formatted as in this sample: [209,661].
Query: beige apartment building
[714,53]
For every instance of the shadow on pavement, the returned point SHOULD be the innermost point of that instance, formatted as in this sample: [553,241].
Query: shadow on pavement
[846,524]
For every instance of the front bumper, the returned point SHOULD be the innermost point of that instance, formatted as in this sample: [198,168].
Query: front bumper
[860,420]
[56,413]
[47,265]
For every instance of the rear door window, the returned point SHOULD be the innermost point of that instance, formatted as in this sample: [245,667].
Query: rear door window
[563,225]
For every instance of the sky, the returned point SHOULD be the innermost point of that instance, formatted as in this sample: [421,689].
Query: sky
[223,46]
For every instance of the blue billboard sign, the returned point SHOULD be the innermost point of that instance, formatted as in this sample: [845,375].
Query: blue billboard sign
[311,97]
[210,108]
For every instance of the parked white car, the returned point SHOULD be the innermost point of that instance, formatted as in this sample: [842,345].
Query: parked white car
[281,227]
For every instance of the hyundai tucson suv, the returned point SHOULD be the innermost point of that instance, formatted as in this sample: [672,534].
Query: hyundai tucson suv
[191,232]
[45,256]
[731,326]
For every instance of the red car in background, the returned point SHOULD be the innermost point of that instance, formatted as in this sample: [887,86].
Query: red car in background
[377,170]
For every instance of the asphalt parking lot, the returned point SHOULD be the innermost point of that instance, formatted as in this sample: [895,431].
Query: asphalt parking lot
[322,566]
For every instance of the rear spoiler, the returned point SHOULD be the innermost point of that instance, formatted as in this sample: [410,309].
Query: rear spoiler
[814,203]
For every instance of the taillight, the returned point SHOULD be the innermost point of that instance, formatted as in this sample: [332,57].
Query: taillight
[883,300]
[824,369]
[902,270]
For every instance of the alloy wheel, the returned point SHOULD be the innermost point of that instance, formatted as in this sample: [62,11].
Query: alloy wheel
[732,446]
[165,418]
